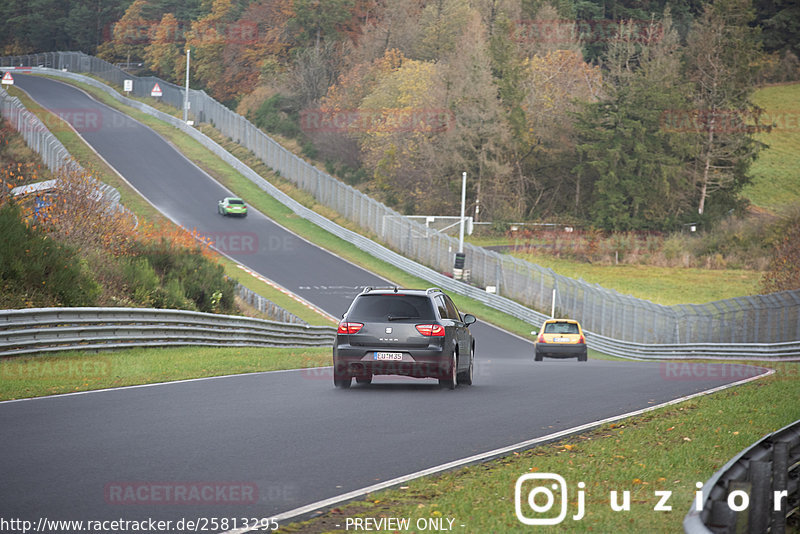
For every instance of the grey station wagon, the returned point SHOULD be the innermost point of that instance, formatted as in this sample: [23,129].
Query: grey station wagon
[410,332]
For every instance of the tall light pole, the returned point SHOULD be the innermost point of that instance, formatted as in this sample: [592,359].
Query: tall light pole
[186,90]
[463,201]
[458,267]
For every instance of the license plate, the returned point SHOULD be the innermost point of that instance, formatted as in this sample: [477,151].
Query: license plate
[561,340]
[388,355]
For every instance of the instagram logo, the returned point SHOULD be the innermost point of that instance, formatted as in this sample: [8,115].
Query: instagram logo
[540,498]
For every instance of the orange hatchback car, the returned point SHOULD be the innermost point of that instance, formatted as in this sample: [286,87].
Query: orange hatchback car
[561,338]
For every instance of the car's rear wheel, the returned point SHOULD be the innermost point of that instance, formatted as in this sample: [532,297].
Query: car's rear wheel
[583,357]
[451,380]
[342,382]
[537,356]
[465,377]
[341,378]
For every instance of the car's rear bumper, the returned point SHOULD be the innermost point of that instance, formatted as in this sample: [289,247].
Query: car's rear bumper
[554,350]
[418,363]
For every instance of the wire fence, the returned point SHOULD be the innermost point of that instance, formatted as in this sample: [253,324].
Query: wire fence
[772,318]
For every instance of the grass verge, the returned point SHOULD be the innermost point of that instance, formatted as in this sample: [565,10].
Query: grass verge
[775,185]
[662,285]
[669,449]
[35,376]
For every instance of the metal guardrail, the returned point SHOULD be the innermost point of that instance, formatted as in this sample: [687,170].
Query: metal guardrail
[42,330]
[267,307]
[744,351]
[608,345]
[755,492]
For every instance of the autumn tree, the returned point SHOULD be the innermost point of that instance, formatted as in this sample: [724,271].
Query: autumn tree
[441,23]
[166,48]
[476,136]
[316,69]
[207,39]
[392,27]
[722,55]
[316,20]
[392,128]
[343,97]
[557,83]
[783,272]
[130,35]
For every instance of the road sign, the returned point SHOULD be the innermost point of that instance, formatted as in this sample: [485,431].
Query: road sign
[156,90]
[128,86]
[8,79]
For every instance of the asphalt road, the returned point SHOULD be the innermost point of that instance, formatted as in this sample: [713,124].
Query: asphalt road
[271,442]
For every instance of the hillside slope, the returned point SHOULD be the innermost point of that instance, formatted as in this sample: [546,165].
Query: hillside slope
[776,179]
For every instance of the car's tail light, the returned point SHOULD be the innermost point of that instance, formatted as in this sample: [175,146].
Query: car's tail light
[582,340]
[541,339]
[349,328]
[430,329]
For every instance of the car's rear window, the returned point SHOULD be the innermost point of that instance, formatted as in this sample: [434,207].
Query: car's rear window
[235,201]
[391,307]
[561,328]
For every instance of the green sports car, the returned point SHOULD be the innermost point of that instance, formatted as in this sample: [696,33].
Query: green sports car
[232,206]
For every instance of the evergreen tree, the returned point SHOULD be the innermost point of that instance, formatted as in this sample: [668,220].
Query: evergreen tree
[722,57]
[635,167]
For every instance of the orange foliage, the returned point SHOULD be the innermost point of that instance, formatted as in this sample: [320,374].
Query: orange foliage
[178,237]
[353,86]
[76,212]
[783,273]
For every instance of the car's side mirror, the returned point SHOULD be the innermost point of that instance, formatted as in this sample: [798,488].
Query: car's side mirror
[469,319]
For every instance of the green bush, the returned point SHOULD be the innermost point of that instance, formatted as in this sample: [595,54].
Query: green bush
[147,288]
[278,115]
[38,271]
[190,274]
